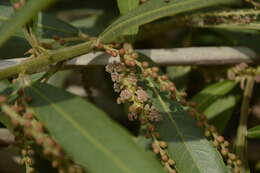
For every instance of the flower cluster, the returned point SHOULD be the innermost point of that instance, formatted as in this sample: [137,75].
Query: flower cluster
[125,83]
[242,71]
[125,80]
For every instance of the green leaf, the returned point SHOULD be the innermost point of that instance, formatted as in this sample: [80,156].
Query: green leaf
[21,17]
[254,132]
[87,134]
[124,7]
[220,111]
[187,145]
[156,9]
[210,94]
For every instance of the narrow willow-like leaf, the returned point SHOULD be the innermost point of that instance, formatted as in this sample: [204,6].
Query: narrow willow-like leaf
[21,17]
[220,111]
[155,9]
[126,6]
[254,132]
[210,94]
[47,25]
[87,134]
[192,152]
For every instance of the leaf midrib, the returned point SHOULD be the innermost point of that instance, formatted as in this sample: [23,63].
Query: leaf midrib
[172,121]
[84,133]
[145,14]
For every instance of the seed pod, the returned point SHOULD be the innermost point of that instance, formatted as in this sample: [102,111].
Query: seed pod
[49,142]
[224,152]
[121,51]
[236,170]
[27,133]
[134,55]
[239,162]
[183,94]
[145,64]
[15,122]
[215,143]
[163,144]
[172,89]
[171,162]
[164,77]
[220,139]
[156,150]
[39,127]
[28,115]
[27,123]
[229,162]
[163,88]
[226,143]
[151,128]
[154,75]
[207,133]
[165,158]
[113,53]
[17,5]
[155,69]
[55,163]
[232,156]
[145,74]
[132,63]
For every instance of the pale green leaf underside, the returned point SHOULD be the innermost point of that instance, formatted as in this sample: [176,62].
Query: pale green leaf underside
[210,94]
[153,10]
[220,111]
[87,134]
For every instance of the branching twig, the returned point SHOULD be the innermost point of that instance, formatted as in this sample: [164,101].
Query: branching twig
[241,143]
